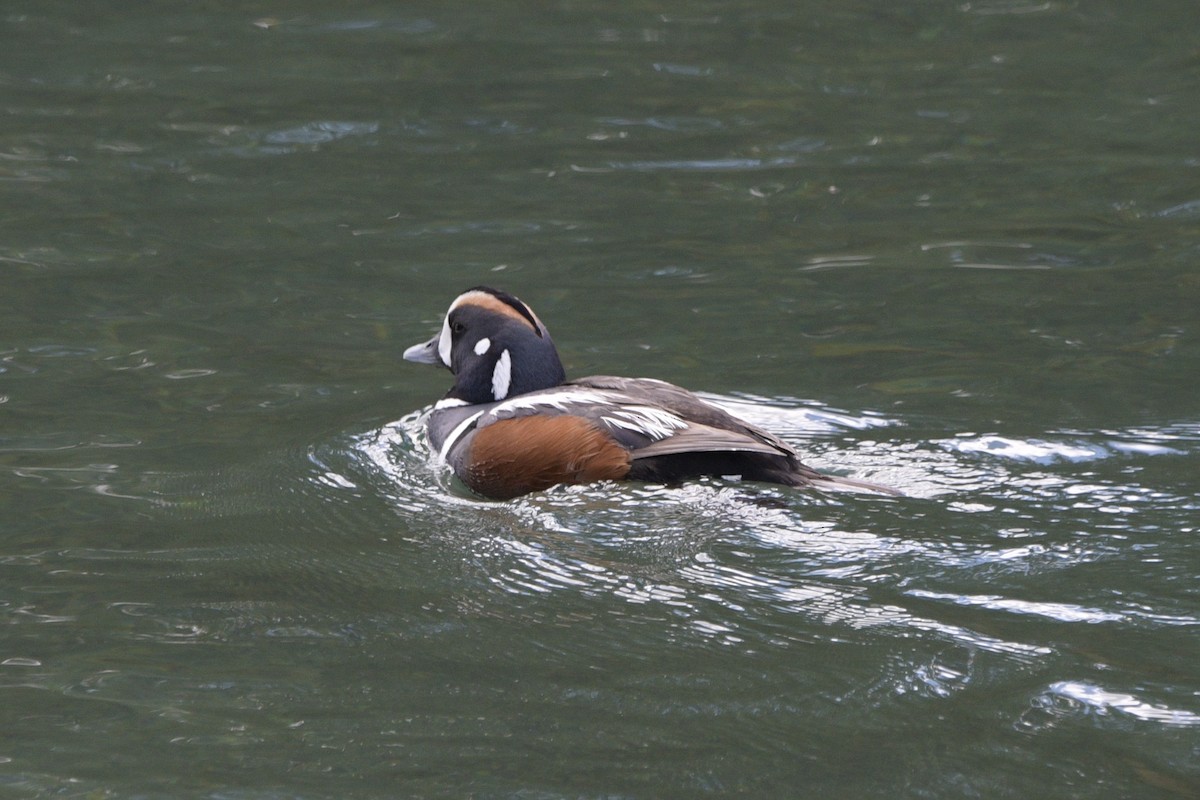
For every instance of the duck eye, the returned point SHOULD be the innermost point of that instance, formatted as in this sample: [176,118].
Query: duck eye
[457,327]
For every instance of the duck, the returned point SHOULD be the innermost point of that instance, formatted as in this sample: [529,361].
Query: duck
[512,423]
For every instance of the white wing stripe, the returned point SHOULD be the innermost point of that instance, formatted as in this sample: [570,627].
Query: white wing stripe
[558,400]
[656,423]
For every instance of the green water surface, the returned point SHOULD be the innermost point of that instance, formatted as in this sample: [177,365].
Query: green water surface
[952,247]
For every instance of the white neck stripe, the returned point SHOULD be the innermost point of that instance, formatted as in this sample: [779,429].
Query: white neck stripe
[502,376]
[457,434]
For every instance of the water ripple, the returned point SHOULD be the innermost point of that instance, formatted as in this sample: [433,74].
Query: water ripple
[1082,698]
[694,165]
[750,567]
[1049,451]
[1062,612]
[252,143]
[662,548]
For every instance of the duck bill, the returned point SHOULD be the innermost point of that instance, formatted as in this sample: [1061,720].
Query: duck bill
[424,353]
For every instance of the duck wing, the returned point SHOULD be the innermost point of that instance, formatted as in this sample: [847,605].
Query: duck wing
[700,426]
[702,438]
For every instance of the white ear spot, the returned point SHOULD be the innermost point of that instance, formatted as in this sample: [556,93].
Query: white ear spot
[482,346]
[502,376]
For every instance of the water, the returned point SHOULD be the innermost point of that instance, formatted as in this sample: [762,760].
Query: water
[948,247]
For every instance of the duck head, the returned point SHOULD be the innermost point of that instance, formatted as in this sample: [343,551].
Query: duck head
[495,346]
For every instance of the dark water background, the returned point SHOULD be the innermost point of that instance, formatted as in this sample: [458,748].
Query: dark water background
[949,246]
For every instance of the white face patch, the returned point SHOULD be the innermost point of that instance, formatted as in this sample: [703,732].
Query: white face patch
[445,341]
[482,346]
[502,376]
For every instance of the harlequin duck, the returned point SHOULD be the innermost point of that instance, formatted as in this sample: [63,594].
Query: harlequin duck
[513,424]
